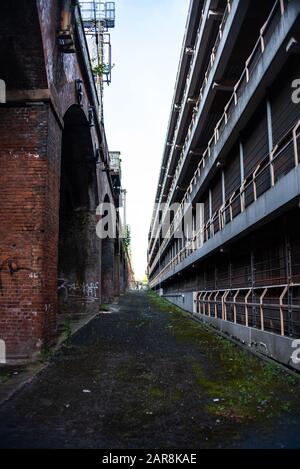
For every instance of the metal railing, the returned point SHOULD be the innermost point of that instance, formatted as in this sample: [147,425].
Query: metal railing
[284,157]
[258,51]
[267,308]
[115,162]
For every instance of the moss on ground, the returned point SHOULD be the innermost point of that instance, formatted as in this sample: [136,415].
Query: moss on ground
[139,322]
[4,376]
[149,395]
[236,384]
[7,371]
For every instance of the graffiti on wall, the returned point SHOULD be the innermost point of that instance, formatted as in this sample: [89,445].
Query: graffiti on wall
[88,291]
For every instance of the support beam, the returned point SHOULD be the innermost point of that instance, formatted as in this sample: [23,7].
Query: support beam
[216,15]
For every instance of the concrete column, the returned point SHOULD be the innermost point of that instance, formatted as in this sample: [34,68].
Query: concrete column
[210,203]
[269,122]
[242,162]
[270,140]
[223,187]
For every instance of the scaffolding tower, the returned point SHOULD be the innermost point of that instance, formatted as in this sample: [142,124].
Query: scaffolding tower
[98,18]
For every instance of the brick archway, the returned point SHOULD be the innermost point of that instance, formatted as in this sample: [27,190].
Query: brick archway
[79,248]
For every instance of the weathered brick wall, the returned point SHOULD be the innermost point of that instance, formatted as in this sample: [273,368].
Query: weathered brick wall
[21,48]
[29,145]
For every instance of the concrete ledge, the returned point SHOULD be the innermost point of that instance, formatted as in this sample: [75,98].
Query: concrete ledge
[268,344]
[266,207]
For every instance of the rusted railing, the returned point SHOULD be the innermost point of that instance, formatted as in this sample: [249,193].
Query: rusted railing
[265,307]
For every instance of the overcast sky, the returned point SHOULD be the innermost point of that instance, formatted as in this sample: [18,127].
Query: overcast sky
[146,45]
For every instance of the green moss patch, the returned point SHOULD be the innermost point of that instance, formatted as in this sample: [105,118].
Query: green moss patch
[232,383]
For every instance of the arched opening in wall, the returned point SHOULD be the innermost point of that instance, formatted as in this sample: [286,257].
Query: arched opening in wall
[107,260]
[79,247]
[122,271]
[117,268]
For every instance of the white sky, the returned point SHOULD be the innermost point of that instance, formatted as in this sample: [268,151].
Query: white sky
[146,45]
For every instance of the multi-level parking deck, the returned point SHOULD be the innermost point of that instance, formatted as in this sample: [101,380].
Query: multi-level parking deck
[237,172]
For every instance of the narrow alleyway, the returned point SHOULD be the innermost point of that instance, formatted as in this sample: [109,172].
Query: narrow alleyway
[146,375]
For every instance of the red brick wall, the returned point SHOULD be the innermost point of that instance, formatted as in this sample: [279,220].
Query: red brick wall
[21,48]
[29,190]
